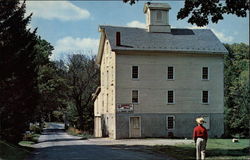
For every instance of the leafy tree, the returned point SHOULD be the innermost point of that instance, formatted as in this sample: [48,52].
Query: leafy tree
[237,95]
[51,84]
[44,49]
[18,78]
[83,78]
[53,92]
[201,11]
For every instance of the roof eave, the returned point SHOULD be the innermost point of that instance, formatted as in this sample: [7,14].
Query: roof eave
[101,46]
[171,51]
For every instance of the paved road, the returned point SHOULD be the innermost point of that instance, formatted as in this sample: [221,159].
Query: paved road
[55,144]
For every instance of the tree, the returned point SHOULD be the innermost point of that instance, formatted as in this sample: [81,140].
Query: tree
[83,78]
[53,89]
[51,83]
[18,78]
[201,11]
[237,95]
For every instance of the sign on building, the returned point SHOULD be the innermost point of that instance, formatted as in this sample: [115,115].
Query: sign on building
[124,107]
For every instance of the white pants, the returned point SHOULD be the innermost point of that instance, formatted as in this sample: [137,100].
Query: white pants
[200,148]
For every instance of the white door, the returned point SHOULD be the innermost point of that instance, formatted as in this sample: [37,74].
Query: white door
[135,127]
[98,129]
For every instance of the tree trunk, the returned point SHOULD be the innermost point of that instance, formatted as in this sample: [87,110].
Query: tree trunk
[81,126]
[80,114]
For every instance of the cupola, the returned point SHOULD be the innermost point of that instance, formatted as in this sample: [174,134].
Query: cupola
[157,17]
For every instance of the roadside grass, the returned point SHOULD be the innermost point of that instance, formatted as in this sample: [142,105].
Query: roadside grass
[75,132]
[13,152]
[29,139]
[216,149]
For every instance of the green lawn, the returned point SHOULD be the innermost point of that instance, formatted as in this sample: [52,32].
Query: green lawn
[13,152]
[216,149]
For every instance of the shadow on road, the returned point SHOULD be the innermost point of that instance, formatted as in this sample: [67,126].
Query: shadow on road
[60,140]
[56,144]
[96,152]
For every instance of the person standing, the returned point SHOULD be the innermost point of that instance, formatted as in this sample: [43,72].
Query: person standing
[200,138]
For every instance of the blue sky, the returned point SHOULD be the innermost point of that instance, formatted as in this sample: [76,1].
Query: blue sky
[72,26]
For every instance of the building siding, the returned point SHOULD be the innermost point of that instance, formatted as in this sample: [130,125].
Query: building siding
[117,83]
[153,84]
[154,124]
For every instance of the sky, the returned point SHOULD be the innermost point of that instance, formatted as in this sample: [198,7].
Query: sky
[72,26]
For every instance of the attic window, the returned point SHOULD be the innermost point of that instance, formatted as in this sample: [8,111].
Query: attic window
[158,16]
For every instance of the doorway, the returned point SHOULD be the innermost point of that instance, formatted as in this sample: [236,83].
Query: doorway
[135,127]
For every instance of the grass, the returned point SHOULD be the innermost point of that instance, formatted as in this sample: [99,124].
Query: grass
[13,152]
[216,149]
[75,132]
[29,139]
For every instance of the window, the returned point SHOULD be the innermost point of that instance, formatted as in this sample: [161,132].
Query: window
[135,72]
[170,97]
[205,97]
[158,16]
[170,73]
[106,48]
[112,97]
[107,83]
[102,79]
[136,122]
[112,74]
[204,73]
[135,96]
[107,103]
[170,122]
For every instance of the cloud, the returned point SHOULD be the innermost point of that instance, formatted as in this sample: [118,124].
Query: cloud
[222,37]
[61,10]
[196,27]
[136,24]
[70,45]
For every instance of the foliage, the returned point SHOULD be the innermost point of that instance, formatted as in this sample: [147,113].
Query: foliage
[237,95]
[18,68]
[200,11]
[76,132]
[30,137]
[216,149]
[53,91]
[35,129]
[83,78]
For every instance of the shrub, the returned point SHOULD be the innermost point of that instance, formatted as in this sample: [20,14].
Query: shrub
[27,137]
[35,129]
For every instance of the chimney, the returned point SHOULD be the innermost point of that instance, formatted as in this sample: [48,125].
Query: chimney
[118,38]
[157,17]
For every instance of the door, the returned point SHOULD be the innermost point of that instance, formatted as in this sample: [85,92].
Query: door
[98,129]
[135,127]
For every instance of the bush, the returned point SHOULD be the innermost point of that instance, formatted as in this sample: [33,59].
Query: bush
[31,137]
[76,132]
[35,129]
[27,137]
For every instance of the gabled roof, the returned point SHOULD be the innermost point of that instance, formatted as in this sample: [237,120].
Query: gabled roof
[178,40]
